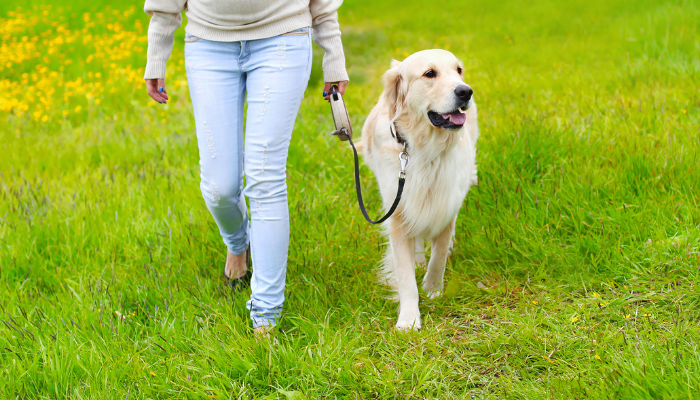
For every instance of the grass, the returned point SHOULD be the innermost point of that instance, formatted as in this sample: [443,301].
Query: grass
[576,264]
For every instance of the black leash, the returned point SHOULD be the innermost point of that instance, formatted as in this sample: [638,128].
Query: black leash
[403,158]
[344,132]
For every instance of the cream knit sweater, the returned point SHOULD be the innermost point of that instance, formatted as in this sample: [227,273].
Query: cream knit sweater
[234,20]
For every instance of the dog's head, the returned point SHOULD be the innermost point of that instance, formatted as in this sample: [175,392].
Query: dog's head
[428,88]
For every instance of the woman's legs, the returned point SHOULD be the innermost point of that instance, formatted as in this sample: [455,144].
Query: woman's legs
[274,72]
[217,89]
[278,73]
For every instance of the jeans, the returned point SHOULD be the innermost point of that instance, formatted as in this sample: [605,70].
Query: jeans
[272,75]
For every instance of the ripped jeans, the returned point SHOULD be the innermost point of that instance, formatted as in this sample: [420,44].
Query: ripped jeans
[272,75]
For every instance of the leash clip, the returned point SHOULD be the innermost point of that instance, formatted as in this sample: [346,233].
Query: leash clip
[403,158]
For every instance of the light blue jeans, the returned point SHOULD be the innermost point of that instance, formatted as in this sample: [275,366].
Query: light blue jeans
[272,75]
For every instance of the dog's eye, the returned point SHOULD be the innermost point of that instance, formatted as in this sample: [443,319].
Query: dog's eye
[430,74]
[459,70]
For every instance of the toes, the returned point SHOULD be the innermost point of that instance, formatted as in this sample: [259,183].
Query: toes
[406,326]
[432,289]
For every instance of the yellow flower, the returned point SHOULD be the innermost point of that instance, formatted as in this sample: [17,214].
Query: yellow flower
[65,113]
[574,319]
[153,373]
[78,108]
[98,101]
[647,315]
[597,357]
[626,316]
[535,302]
[44,118]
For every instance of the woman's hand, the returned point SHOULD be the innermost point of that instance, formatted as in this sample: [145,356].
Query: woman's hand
[327,88]
[156,89]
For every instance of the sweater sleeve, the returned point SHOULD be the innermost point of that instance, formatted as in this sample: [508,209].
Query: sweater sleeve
[165,19]
[327,35]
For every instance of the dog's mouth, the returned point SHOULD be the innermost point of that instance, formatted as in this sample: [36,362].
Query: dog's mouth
[452,120]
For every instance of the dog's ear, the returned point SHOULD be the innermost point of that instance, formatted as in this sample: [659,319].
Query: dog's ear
[395,89]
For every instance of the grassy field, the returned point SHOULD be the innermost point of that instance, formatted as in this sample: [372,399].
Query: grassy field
[577,258]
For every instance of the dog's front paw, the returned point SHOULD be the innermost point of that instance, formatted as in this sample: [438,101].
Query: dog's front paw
[432,288]
[409,323]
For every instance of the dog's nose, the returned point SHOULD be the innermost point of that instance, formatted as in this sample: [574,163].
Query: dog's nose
[464,92]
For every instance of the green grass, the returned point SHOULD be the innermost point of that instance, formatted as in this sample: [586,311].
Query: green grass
[576,263]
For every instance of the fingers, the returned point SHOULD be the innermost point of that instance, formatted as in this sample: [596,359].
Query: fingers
[341,87]
[156,89]
[327,88]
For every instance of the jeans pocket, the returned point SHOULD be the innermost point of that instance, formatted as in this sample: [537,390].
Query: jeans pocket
[189,38]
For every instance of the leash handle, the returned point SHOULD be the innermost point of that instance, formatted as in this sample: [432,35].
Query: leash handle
[341,118]
[403,157]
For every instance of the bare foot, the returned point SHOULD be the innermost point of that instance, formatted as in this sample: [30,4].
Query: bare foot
[236,265]
[263,331]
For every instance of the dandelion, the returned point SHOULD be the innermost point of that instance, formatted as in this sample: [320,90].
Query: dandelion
[78,108]
[597,357]
[574,319]
[98,101]
[685,112]
[65,113]
[535,302]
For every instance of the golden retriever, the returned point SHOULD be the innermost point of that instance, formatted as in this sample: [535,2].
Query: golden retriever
[426,104]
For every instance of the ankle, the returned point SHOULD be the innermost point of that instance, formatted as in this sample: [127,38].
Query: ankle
[236,265]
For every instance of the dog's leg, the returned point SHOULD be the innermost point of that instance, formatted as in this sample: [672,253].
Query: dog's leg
[403,252]
[433,282]
[420,250]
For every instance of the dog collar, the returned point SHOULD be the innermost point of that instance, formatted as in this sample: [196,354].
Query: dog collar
[396,135]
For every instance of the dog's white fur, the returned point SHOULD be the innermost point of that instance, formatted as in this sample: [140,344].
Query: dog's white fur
[441,169]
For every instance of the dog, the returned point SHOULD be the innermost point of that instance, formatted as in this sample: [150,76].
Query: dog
[427,107]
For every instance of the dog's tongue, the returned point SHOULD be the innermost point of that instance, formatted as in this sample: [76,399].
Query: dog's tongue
[457,117]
